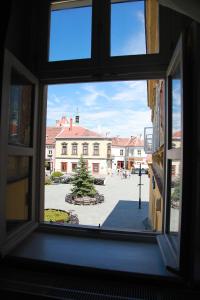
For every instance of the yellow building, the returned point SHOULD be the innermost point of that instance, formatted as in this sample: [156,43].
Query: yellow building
[74,141]
[156,104]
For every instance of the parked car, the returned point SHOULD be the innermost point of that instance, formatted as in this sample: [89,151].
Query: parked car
[65,179]
[137,171]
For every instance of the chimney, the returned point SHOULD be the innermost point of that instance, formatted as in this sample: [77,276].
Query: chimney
[71,121]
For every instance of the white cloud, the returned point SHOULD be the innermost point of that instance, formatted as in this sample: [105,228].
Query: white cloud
[102,115]
[91,98]
[132,91]
[140,16]
[133,124]
[135,44]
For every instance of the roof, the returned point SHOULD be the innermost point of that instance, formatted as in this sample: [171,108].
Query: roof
[51,133]
[177,134]
[77,131]
[121,142]
[128,142]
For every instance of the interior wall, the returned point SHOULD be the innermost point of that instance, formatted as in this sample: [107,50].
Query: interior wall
[21,34]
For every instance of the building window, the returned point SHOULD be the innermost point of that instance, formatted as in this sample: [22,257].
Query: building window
[64,166]
[95,168]
[139,152]
[50,152]
[121,152]
[96,149]
[74,166]
[64,149]
[74,149]
[85,149]
[109,150]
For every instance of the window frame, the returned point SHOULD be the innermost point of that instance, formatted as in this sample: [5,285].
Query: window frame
[64,152]
[94,165]
[63,163]
[74,150]
[100,68]
[102,65]
[9,239]
[96,151]
[175,258]
[85,149]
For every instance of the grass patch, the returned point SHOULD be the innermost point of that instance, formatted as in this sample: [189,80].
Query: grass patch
[56,216]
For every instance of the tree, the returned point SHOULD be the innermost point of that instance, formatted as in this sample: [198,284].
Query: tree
[82,181]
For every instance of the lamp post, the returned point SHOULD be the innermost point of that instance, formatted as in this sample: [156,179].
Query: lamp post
[50,158]
[140,186]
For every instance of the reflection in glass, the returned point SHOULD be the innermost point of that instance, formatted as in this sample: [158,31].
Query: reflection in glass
[70,33]
[20,110]
[175,195]
[18,192]
[128,28]
[176,109]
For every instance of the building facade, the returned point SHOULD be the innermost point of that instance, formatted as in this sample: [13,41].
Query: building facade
[128,153]
[75,141]
[51,133]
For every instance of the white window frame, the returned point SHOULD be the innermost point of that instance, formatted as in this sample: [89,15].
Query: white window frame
[8,239]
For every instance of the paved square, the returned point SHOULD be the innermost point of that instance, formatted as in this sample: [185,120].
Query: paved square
[119,210]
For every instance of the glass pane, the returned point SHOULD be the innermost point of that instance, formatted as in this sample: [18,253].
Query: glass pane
[70,33]
[128,28]
[175,196]
[176,109]
[18,193]
[20,110]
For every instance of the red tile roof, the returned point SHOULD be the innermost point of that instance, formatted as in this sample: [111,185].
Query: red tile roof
[77,131]
[177,134]
[135,142]
[51,133]
[128,142]
[121,142]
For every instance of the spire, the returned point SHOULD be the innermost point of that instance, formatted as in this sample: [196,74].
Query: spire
[77,118]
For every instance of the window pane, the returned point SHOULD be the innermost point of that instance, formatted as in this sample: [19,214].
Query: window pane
[20,110]
[176,109]
[175,196]
[70,32]
[18,193]
[127,28]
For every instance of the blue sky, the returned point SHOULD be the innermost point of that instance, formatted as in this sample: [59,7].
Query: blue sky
[119,108]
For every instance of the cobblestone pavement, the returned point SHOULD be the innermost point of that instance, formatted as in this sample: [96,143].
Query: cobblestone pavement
[119,210]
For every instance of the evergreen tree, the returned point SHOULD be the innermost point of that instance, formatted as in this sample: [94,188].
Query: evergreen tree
[82,181]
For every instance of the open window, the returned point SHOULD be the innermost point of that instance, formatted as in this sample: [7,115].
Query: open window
[177,177]
[18,152]
[97,62]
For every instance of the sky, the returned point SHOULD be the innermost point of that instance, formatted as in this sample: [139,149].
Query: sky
[112,108]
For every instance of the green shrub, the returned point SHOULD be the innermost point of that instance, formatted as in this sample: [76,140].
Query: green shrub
[56,174]
[56,215]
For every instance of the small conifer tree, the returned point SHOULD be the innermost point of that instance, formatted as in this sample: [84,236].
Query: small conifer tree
[82,181]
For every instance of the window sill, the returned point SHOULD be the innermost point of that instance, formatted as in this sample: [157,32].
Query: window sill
[115,256]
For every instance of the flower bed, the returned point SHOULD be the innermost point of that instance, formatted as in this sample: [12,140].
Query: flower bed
[86,200]
[59,216]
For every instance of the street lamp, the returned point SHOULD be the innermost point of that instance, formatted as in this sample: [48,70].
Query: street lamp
[140,186]
[50,158]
